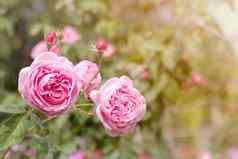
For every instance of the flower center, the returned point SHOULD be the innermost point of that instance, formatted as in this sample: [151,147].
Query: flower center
[54,86]
[122,104]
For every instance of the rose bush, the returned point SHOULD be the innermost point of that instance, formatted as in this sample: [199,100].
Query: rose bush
[172,50]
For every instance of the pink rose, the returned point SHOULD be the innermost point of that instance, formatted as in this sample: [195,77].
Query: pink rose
[41,47]
[70,35]
[118,105]
[38,49]
[101,44]
[49,84]
[55,49]
[88,76]
[78,155]
[109,51]
[104,47]
[51,38]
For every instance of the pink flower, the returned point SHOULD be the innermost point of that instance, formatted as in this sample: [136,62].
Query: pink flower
[101,44]
[104,47]
[88,76]
[51,38]
[118,105]
[38,49]
[55,49]
[70,35]
[78,155]
[109,51]
[232,153]
[41,47]
[49,84]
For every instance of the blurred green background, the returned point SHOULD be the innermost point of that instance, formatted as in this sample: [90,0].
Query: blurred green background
[160,44]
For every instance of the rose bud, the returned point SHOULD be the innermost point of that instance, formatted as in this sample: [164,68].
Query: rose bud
[119,106]
[51,38]
[88,76]
[78,155]
[70,35]
[49,84]
[41,47]
[145,73]
[101,44]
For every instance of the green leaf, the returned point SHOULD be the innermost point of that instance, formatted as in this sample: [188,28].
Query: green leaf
[12,104]
[36,120]
[13,130]
[12,109]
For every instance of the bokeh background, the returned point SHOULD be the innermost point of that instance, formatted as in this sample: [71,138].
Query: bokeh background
[161,45]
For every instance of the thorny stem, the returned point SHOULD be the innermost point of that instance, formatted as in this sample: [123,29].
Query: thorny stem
[43,122]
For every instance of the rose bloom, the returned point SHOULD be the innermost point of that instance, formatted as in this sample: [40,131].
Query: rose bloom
[78,155]
[88,76]
[118,105]
[49,84]
[41,47]
[70,35]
